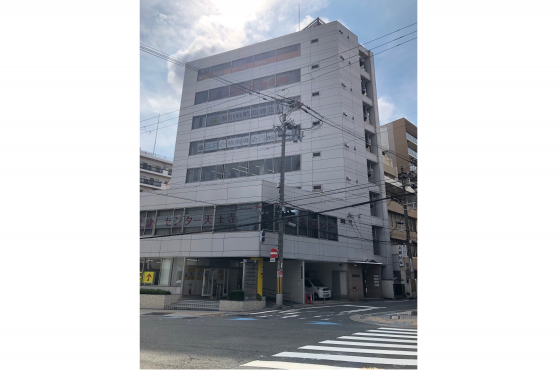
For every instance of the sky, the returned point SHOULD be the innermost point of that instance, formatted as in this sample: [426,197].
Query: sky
[193,29]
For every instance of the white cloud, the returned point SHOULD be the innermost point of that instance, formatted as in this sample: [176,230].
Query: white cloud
[387,110]
[196,29]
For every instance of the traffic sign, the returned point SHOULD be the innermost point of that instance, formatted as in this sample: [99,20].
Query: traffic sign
[273,260]
[148,277]
[280,274]
[273,253]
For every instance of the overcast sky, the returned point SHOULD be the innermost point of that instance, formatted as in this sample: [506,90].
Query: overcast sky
[193,29]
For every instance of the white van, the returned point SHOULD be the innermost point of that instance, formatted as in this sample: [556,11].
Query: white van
[318,289]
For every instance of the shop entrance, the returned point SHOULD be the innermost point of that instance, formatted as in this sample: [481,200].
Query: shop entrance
[215,282]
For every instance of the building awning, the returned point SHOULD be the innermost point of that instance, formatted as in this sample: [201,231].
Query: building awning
[370,262]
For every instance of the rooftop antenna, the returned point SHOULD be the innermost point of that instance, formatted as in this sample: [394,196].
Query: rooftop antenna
[157,129]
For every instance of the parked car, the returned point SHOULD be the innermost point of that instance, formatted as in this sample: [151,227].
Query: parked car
[318,289]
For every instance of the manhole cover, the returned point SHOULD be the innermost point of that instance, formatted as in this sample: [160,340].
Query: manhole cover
[158,313]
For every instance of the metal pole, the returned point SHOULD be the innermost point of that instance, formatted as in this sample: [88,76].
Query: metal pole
[405,208]
[279,263]
[157,129]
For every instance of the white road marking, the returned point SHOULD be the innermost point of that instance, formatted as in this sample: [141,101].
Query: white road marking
[285,317]
[360,350]
[367,360]
[353,305]
[411,330]
[391,332]
[294,365]
[380,339]
[365,309]
[365,344]
[256,313]
[388,335]
[318,316]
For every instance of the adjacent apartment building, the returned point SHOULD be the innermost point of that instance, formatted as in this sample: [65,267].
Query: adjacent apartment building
[195,236]
[400,137]
[155,171]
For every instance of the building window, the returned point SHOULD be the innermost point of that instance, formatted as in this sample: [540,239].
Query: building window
[193,175]
[193,220]
[373,206]
[196,147]
[242,64]
[316,123]
[177,221]
[315,66]
[164,222]
[411,138]
[376,236]
[317,188]
[201,97]
[288,52]
[198,122]
[204,73]
[264,58]
[315,93]
[239,114]
[240,88]
[157,271]
[314,41]
[218,93]
[412,153]
[177,272]
[221,69]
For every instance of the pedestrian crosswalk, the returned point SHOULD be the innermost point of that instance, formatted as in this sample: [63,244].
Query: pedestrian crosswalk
[314,312]
[364,349]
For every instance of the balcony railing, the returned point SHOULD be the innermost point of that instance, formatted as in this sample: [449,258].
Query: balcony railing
[156,155]
[146,166]
[150,182]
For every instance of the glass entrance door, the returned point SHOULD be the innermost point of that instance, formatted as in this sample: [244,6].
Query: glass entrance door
[207,282]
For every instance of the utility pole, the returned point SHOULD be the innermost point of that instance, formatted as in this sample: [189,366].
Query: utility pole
[288,107]
[404,181]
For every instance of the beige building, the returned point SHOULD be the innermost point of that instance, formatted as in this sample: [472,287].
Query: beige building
[400,137]
[155,171]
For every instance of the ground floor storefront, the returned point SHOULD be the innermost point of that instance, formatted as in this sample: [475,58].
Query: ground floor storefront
[213,278]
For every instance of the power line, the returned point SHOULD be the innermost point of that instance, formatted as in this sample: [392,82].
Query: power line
[167,57]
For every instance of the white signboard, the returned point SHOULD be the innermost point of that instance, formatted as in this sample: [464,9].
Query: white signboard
[222,143]
[210,146]
[258,138]
[273,260]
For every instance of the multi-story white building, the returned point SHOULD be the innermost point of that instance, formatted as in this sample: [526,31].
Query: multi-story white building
[223,191]
[155,171]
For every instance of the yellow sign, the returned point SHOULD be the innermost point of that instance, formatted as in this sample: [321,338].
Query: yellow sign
[148,277]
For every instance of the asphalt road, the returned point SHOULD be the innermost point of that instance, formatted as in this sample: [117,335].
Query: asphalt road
[229,341]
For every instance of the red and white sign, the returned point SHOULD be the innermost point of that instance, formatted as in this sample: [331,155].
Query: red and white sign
[273,253]
[280,274]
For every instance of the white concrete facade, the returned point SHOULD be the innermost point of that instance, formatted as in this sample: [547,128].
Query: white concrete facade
[341,168]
